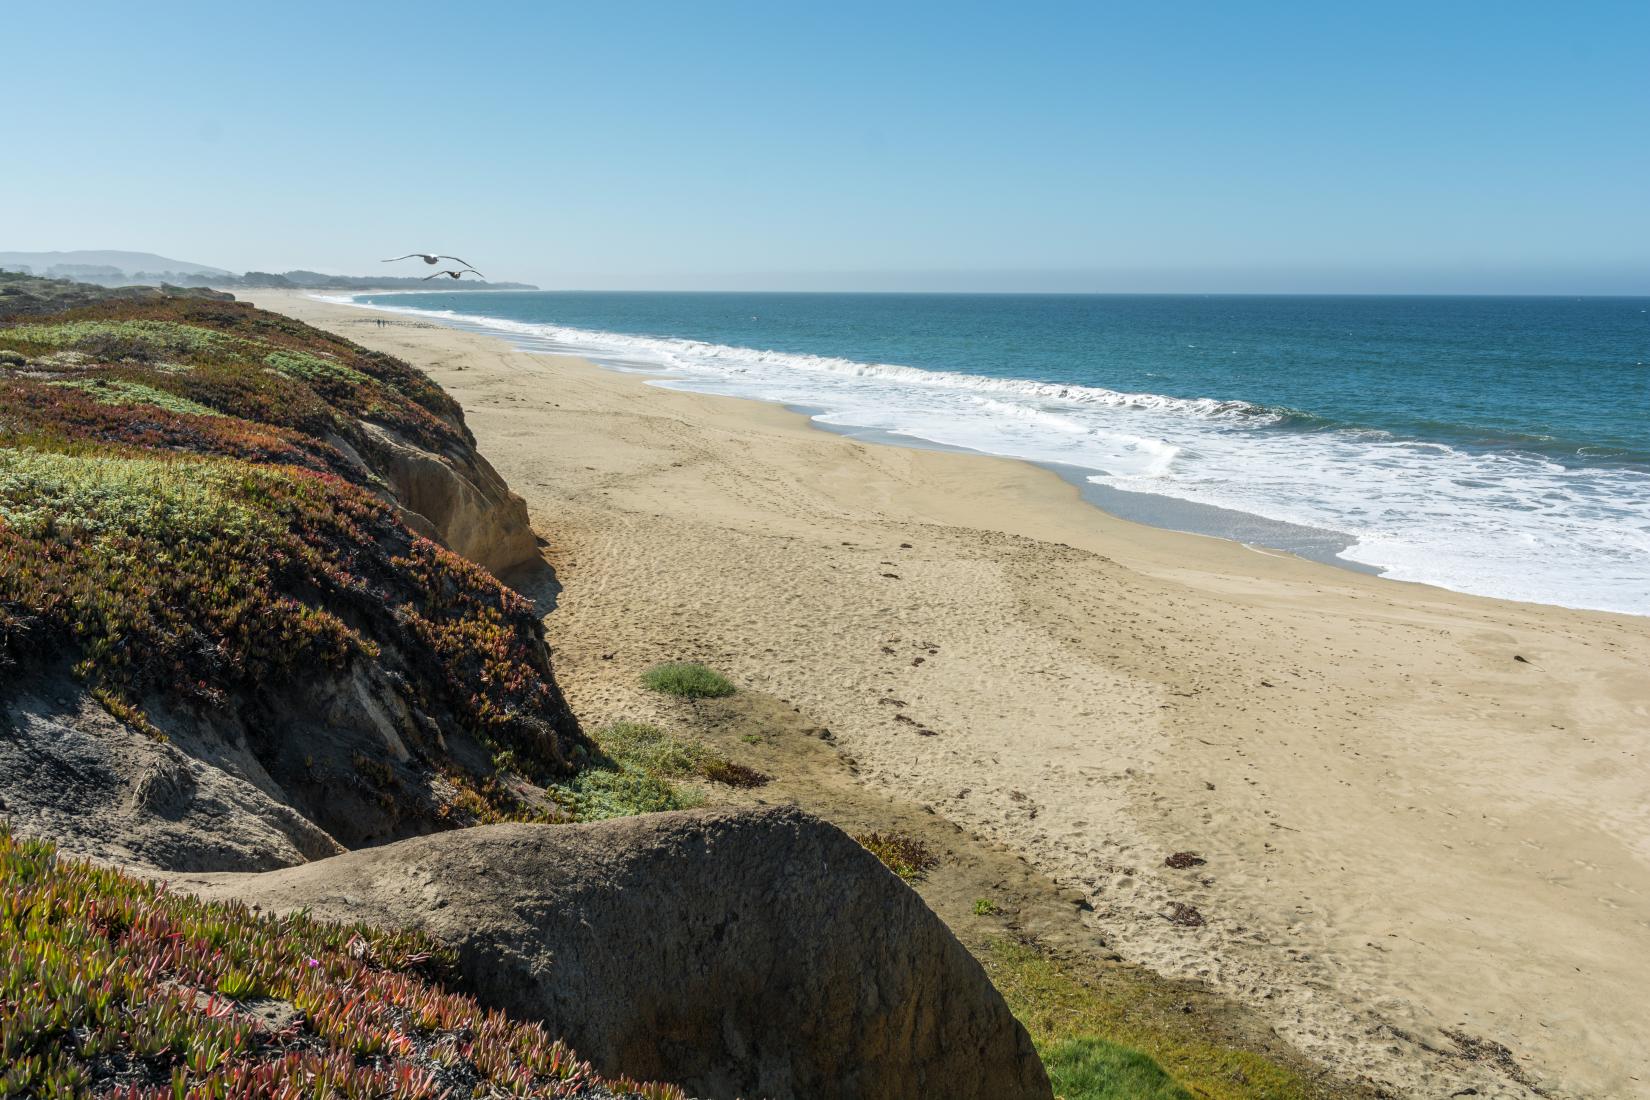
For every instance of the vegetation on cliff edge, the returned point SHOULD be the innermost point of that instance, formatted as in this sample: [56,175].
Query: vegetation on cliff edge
[114,986]
[191,518]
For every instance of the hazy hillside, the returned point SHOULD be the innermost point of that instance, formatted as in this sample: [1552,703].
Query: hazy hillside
[40,263]
[109,268]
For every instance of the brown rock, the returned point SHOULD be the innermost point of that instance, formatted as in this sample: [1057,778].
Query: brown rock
[737,953]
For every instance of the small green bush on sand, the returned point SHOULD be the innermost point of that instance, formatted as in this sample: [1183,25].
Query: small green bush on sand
[690,681]
[637,772]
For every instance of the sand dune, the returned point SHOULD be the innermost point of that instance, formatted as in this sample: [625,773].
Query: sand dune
[1425,816]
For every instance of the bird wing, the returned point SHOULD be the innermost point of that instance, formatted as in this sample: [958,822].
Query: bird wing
[408,256]
[456,260]
[437,275]
[477,274]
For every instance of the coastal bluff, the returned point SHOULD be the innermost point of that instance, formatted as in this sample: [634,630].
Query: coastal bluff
[251,613]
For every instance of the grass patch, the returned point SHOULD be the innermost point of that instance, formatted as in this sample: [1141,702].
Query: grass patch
[115,986]
[905,855]
[1093,1069]
[690,681]
[640,769]
[653,750]
[1094,1030]
[985,907]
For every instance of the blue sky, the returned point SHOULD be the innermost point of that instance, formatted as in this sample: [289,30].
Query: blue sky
[1472,147]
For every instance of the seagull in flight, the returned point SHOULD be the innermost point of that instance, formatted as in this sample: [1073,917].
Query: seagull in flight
[429,259]
[455,274]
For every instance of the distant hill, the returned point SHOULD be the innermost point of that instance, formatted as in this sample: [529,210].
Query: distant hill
[126,263]
[110,268]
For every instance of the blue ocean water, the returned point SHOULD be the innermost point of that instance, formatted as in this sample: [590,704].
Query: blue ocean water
[1491,445]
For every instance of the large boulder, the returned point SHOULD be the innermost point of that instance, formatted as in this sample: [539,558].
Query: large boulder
[737,953]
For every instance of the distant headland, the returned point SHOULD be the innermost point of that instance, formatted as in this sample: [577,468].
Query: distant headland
[114,268]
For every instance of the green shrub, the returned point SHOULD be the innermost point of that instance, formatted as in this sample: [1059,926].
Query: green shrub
[985,907]
[598,793]
[688,680]
[637,770]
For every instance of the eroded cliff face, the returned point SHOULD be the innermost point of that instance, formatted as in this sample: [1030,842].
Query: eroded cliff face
[242,622]
[458,498]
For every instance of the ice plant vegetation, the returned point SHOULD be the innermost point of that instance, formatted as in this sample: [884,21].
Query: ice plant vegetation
[113,986]
[191,521]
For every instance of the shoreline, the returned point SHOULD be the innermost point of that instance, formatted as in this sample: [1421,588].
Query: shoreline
[1150,509]
[1410,834]
[1315,538]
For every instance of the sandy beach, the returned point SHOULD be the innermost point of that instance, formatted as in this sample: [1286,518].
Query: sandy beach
[1424,815]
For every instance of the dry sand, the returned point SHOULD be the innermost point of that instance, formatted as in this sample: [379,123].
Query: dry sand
[1417,842]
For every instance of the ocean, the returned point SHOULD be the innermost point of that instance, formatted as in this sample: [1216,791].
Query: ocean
[1498,446]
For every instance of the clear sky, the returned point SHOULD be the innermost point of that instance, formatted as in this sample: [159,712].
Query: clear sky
[1440,146]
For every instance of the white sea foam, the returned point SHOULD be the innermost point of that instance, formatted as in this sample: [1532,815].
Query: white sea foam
[1509,524]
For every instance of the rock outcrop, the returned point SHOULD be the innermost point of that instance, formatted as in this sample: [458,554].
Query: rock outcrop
[74,773]
[739,954]
[458,499]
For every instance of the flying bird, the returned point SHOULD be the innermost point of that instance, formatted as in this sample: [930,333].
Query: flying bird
[429,259]
[455,274]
